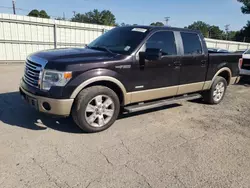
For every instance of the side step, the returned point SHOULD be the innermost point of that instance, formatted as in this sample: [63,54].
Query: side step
[160,103]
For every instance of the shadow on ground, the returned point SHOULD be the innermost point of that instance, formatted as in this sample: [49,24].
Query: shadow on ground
[15,112]
[245,80]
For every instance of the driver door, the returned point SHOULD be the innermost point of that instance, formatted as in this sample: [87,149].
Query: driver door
[157,78]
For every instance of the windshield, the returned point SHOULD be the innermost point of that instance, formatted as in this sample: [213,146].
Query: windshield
[122,40]
[247,51]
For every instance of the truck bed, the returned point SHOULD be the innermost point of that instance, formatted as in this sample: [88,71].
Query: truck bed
[219,60]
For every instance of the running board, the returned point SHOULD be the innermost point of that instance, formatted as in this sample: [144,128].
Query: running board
[160,103]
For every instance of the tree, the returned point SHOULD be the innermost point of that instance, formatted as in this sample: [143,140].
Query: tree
[157,24]
[104,17]
[202,26]
[34,13]
[215,32]
[244,34]
[41,14]
[245,9]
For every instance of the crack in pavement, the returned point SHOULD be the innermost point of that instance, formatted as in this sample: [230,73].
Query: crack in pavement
[178,179]
[106,158]
[66,161]
[135,171]
[128,151]
[94,180]
[50,178]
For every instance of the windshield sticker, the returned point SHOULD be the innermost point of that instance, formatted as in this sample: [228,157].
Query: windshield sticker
[127,48]
[139,30]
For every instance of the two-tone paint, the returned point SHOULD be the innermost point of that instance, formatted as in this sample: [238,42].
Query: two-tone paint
[133,80]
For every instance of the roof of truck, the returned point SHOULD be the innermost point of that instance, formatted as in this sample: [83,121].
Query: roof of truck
[162,28]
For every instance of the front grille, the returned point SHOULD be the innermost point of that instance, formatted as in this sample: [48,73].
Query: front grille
[246,64]
[32,73]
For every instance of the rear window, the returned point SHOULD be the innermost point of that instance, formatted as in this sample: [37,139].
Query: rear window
[191,43]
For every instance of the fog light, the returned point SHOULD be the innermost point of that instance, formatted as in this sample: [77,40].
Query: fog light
[46,106]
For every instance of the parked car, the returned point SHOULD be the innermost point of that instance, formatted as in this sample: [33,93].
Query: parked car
[130,69]
[241,51]
[244,64]
[217,50]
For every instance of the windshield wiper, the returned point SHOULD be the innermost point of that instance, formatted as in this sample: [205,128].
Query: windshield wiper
[101,48]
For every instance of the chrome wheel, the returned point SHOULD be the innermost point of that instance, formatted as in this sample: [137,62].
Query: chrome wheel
[99,111]
[218,91]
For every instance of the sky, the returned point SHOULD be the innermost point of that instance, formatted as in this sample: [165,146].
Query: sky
[143,12]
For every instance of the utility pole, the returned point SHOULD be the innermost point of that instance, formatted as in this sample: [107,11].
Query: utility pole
[64,16]
[74,13]
[14,6]
[227,30]
[167,20]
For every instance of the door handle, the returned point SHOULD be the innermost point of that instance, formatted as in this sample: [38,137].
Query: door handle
[177,63]
[203,63]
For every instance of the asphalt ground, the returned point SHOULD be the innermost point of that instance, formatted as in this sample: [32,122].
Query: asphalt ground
[188,144]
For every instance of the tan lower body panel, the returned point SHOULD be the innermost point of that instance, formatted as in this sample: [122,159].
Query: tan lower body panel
[153,94]
[189,88]
[146,95]
[61,107]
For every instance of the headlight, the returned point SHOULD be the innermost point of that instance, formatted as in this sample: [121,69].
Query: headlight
[55,78]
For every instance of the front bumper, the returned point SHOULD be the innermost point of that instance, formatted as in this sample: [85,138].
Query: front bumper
[60,107]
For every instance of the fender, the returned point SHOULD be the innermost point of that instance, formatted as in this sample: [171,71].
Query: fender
[208,84]
[100,75]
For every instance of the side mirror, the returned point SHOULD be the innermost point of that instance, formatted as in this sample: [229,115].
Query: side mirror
[153,54]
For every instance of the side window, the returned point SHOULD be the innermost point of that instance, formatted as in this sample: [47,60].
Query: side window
[191,43]
[164,40]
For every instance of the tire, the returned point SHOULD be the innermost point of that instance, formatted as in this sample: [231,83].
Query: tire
[216,95]
[95,109]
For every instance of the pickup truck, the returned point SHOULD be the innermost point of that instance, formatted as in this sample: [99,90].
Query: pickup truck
[129,69]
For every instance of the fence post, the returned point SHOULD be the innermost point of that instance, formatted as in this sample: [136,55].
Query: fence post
[55,36]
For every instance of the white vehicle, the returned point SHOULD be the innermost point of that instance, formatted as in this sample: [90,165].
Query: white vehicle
[244,64]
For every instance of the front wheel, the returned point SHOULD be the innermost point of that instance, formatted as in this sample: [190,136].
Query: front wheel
[96,108]
[217,91]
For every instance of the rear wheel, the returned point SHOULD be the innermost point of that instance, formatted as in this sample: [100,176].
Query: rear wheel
[96,109]
[217,91]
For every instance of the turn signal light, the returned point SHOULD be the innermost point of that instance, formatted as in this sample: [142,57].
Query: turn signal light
[68,75]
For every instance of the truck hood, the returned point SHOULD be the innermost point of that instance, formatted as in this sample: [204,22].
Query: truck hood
[73,55]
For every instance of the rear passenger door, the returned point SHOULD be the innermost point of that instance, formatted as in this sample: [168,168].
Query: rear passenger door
[193,63]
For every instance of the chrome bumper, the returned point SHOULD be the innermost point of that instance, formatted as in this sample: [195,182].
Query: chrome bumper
[60,107]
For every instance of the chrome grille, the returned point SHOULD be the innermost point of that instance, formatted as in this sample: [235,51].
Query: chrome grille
[32,73]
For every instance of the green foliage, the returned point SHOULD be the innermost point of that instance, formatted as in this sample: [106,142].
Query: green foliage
[201,26]
[41,14]
[215,32]
[157,24]
[244,34]
[211,31]
[34,13]
[104,17]
[245,9]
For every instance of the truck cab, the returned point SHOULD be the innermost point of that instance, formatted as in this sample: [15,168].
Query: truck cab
[127,68]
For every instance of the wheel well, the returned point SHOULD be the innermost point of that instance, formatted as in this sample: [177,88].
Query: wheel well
[226,75]
[112,86]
